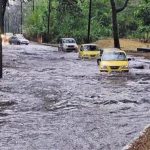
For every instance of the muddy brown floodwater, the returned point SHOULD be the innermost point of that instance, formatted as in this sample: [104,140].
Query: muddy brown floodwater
[51,100]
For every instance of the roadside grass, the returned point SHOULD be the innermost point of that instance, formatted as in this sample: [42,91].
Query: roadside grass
[128,45]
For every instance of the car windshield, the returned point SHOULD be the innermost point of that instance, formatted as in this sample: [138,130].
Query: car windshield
[69,41]
[90,47]
[116,56]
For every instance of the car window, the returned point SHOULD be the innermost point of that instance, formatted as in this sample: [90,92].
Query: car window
[90,47]
[116,56]
[13,37]
[69,41]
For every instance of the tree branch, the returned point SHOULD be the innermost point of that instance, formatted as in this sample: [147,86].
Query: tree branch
[123,7]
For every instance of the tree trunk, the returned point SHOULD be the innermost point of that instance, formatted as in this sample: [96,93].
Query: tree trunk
[2,12]
[1,31]
[114,21]
[115,25]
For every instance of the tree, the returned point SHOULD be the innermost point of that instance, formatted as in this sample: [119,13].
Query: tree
[2,12]
[70,18]
[116,10]
[143,14]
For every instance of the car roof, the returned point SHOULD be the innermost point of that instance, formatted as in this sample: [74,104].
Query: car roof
[109,51]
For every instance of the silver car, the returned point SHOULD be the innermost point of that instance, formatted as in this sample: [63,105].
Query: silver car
[18,40]
[67,45]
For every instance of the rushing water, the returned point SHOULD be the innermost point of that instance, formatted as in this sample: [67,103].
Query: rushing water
[51,100]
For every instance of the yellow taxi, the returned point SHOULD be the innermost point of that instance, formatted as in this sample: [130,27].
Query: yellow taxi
[89,51]
[113,61]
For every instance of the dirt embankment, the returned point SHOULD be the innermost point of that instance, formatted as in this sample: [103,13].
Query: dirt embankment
[142,143]
[128,45]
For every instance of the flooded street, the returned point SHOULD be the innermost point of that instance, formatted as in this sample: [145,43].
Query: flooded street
[52,100]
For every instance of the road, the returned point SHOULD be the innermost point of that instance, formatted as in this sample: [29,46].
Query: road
[52,100]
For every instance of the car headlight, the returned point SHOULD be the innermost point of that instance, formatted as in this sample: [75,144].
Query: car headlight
[125,67]
[85,55]
[103,67]
[65,46]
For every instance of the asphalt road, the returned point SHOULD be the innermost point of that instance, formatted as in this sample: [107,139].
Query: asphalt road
[52,100]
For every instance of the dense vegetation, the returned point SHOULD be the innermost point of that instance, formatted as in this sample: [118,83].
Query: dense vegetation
[69,18]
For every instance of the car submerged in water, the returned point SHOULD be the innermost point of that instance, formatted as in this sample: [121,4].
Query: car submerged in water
[113,60]
[89,51]
[67,45]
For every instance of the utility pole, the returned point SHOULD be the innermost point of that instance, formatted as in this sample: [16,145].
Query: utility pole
[21,11]
[48,23]
[2,12]
[1,31]
[33,5]
[8,20]
[89,22]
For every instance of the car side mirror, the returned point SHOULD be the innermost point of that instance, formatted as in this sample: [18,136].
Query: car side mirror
[101,51]
[129,59]
[98,61]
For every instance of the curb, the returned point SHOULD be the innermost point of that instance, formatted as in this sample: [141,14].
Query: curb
[143,50]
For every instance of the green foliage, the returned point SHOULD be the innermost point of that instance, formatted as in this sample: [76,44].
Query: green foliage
[69,18]
[34,22]
[143,15]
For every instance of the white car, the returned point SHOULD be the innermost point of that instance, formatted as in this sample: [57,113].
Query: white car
[67,45]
